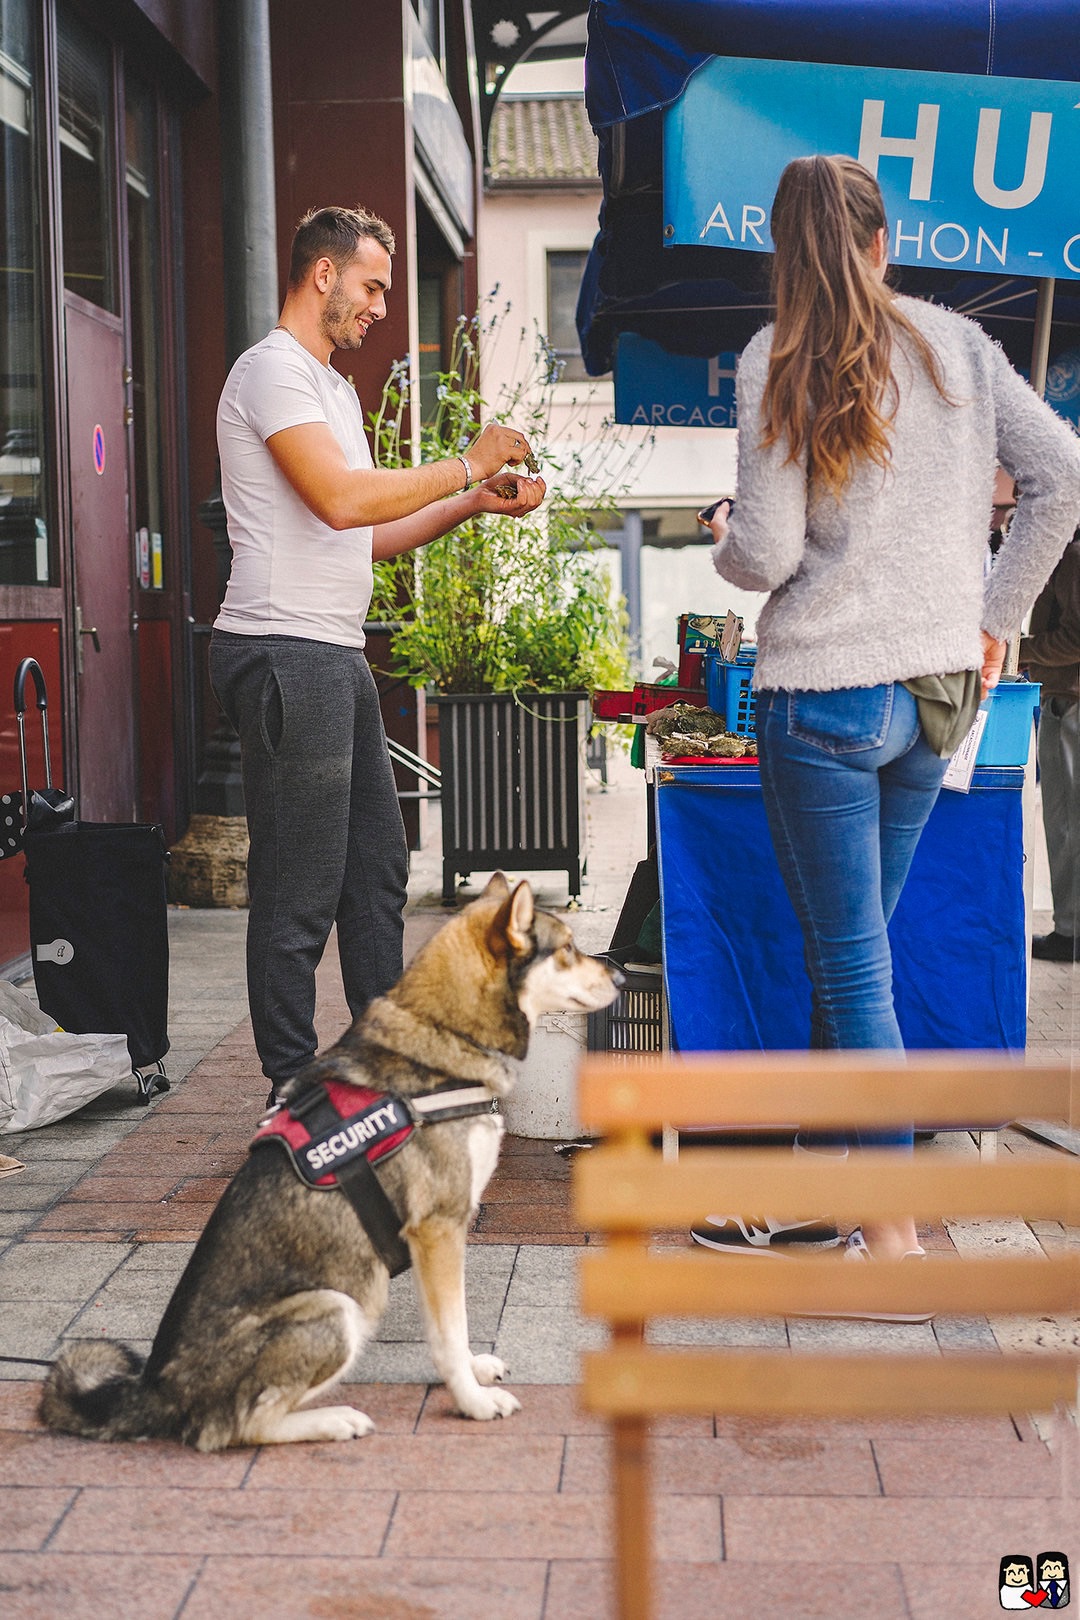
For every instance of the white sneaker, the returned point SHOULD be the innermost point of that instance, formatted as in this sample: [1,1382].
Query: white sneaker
[760,1234]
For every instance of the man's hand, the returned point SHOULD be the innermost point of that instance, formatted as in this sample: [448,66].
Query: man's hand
[492,495]
[498,447]
[718,522]
[993,659]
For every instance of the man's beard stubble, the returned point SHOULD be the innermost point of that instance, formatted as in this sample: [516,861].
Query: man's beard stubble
[337,321]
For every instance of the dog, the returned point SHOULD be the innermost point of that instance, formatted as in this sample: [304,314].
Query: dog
[287,1282]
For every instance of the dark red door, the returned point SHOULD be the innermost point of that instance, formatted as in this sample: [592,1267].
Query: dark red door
[105,708]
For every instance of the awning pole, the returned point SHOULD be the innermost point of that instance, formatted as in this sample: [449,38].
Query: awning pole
[1040,343]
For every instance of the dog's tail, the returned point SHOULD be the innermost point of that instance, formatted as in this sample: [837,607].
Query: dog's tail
[95,1389]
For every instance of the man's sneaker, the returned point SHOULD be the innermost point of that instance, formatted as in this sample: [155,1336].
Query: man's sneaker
[760,1234]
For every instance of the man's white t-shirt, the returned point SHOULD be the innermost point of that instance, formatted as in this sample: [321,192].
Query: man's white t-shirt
[292,575]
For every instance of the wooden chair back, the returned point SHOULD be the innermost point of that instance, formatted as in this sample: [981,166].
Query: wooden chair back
[628,1190]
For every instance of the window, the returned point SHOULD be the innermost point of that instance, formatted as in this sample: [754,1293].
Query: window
[85,75]
[564,273]
[24,543]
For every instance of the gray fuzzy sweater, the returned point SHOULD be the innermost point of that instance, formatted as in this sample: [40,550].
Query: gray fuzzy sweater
[889,582]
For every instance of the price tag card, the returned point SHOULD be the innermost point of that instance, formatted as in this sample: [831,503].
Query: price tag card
[962,763]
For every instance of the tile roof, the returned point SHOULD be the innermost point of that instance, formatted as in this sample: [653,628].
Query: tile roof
[541,141]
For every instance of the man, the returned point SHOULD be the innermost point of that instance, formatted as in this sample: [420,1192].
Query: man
[1001,512]
[1051,654]
[308,512]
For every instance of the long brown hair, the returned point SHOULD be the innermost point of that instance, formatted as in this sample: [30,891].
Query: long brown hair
[830,391]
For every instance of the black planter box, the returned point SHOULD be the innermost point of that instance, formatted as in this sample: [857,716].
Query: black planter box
[513,791]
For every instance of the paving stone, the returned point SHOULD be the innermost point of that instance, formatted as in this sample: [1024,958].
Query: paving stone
[474,1525]
[491,1457]
[824,1335]
[700,1466]
[728,1332]
[968,1468]
[42,1458]
[545,1278]
[19,1403]
[782,1530]
[143,1257]
[59,1270]
[28,1516]
[403,1362]
[32,1328]
[963,1333]
[584,1590]
[369,1589]
[282,1523]
[55,1586]
[958,1587]
[543,1346]
[101,1319]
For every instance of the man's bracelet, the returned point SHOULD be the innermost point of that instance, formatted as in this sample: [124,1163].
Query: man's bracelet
[469,478]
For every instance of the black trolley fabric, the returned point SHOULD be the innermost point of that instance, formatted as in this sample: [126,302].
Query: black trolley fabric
[99,936]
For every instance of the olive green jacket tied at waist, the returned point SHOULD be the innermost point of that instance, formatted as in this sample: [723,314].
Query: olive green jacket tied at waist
[947,707]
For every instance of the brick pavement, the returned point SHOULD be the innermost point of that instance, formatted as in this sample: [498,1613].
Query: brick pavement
[432,1516]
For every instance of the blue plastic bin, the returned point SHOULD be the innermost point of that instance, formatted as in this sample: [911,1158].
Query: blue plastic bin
[727,690]
[1006,736]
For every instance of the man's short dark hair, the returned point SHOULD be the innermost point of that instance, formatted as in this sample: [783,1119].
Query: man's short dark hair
[335,234]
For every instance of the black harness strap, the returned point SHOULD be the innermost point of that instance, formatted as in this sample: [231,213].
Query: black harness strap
[360,1184]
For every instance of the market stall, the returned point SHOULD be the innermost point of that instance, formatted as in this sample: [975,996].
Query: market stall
[966,115]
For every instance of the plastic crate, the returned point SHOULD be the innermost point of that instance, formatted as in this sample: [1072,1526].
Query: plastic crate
[608,705]
[648,696]
[1006,738]
[727,687]
[634,1022]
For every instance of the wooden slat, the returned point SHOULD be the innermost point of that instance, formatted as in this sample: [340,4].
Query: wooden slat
[625,1189]
[623,1288]
[740,1089]
[624,1381]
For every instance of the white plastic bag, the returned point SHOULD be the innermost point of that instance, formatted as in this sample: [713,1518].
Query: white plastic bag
[47,1073]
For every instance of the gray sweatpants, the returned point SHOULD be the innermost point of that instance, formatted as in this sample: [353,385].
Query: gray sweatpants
[327,840]
[1059,759]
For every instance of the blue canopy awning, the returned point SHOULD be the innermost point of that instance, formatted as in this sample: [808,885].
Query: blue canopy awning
[705,300]
[641,52]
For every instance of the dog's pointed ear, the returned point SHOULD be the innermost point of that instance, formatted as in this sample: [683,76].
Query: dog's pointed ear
[497,888]
[520,920]
[509,933]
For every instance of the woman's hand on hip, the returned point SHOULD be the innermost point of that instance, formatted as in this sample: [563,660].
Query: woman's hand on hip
[993,659]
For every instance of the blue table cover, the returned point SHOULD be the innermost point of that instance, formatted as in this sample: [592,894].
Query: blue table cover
[733,959]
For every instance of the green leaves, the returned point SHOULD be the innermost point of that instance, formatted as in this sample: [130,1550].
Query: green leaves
[501,604]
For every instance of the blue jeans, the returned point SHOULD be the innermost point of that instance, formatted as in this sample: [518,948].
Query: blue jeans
[849,782]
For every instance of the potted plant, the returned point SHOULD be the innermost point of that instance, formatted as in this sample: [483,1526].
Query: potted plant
[509,625]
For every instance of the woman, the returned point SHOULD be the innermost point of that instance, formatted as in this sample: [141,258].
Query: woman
[870,430]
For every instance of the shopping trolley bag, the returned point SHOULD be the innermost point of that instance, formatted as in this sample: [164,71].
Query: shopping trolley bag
[99,936]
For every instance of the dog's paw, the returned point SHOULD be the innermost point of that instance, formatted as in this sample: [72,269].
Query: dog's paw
[342,1422]
[486,1404]
[489,1369]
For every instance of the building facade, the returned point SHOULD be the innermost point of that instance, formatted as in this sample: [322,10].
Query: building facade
[131,235]
[539,218]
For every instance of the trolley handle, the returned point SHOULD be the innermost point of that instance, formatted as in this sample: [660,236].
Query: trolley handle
[31,667]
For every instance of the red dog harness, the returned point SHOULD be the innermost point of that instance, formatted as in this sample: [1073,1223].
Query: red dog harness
[335,1135]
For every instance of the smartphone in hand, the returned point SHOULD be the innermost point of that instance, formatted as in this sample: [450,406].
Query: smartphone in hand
[706,515]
